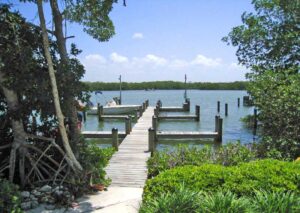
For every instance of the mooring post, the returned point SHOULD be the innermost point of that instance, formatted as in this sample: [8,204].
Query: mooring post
[147,103]
[136,117]
[226,109]
[99,111]
[154,126]
[130,123]
[220,130]
[238,102]
[141,111]
[188,104]
[144,106]
[127,125]
[218,106]
[151,140]
[255,119]
[115,138]
[216,122]
[197,110]
[84,115]
[156,111]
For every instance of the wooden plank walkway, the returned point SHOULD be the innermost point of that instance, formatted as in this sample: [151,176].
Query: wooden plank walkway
[127,167]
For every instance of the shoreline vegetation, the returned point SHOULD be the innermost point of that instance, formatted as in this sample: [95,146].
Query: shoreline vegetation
[166,85]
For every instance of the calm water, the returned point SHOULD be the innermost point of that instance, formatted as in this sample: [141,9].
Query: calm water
[233,128]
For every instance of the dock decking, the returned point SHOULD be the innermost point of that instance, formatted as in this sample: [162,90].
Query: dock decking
[127,167]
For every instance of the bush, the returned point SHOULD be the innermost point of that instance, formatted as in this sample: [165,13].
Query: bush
[185,201]
[182,201]
[10,198]
[269,175]
[228,155]
[93,160]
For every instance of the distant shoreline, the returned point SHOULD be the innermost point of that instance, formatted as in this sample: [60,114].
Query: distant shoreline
[166,85]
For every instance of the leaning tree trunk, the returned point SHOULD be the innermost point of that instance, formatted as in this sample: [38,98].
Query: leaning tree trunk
[69,99]
[74,164]
[18,132]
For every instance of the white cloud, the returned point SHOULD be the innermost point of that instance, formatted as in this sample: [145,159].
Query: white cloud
[137,36]
[179,64]
[95,58]
[116,58]
[236,66]
[206,61]
[150,58]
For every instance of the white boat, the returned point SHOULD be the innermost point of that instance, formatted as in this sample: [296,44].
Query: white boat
[114,110]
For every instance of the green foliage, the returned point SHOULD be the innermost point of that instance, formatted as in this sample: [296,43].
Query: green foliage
[277,98]
[10,198]
[228,155]
[222,201]
[93,160]
[93,16]
[226,202]
[275,202]
[238,85]
[183,201]
[268,43]
[243,179]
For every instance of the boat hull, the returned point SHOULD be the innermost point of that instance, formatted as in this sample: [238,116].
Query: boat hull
[114,110]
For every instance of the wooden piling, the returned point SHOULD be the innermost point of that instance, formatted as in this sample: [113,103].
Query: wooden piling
[220,130]
[156,112]
[226,109]
[238,102]
[188,104]
[84,115]
[147,103]
[197,110]
[127,125]
[216,122]
[151,140]
[144,106]
[136,116]
[255,119]
[115,138]
[218,106]
[99,111]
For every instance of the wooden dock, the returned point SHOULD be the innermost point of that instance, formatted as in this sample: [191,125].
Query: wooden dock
[127,167]
[185,135]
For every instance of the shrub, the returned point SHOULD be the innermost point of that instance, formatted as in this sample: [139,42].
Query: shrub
[230,154]
[226,202]
[275,202]
[269,175]
[10,198]
[183,201]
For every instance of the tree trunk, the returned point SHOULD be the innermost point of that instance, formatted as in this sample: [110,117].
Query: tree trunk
[69,99]
[18,132]
[72,161]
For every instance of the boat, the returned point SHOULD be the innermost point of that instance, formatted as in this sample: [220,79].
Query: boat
[114,109]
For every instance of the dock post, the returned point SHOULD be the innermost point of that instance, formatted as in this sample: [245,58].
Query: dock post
[130,123]
[238,102]
[220,130]
[218,106]
[255,119]
[99,111]
[188,104]
[147,103]
[216,122]
[127,125]
[144,106]
[226,109]
[141,111]
[84,115]
[156,111]
[154,126]
[197,110]
[151,140]
[115,138]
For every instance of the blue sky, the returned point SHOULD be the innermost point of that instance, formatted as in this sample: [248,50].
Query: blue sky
[160,40]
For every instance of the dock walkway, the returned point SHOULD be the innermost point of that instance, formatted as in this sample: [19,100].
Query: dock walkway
[127,167]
